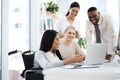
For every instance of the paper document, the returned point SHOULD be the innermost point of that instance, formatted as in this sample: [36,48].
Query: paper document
[80,66]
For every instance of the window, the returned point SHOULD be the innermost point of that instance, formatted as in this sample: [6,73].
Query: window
[18,24]
[18,33]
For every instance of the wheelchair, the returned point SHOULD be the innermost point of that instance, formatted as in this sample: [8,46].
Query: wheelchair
[29,73]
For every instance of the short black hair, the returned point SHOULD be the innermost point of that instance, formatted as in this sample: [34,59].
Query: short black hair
[47,40]
[74,4]
[92,9]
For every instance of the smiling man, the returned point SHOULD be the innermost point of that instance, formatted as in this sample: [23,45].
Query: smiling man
[99,29]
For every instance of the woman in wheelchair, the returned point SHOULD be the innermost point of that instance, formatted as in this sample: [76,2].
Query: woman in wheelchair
[48,55]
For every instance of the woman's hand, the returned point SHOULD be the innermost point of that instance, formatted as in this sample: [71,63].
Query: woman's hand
[61,35]
[80,57]
[76,58]
[77,35]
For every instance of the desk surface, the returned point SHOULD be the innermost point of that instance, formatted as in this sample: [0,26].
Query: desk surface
[105,72]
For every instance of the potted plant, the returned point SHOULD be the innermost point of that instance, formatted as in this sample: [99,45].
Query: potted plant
[82,43]
[51,7]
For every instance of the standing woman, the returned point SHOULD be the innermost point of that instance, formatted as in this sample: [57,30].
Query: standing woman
[46,56]
[69,20]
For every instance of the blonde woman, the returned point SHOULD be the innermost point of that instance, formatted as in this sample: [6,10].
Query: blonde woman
[68,47]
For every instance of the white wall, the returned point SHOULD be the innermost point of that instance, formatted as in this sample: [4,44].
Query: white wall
[5,74]
[35,24]
[119,11]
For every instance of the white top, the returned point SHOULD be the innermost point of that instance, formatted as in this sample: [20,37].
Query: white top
[106,32]
[47,60]
[70,50]
[63,23]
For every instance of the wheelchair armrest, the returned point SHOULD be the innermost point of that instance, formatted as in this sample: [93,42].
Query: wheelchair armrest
[32,70]
[34,74]
[38,68]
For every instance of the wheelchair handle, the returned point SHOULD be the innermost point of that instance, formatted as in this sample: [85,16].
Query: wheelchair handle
[12,52]
[29,51]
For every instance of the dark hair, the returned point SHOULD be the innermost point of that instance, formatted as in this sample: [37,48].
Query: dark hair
[74,4]
[47,40]
[92,9]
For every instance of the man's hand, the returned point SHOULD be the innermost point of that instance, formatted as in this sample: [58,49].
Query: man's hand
[77,35]
[108,56]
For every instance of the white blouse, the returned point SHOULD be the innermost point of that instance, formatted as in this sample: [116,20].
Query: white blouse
[63,23]
[47,60]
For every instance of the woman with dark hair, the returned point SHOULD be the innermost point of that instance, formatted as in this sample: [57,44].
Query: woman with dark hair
[46,56]
[69,20]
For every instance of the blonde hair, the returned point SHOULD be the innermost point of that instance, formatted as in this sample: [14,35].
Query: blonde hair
[69,27]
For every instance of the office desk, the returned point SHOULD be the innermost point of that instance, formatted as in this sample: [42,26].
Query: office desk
[106,72]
